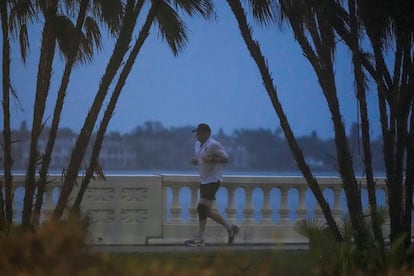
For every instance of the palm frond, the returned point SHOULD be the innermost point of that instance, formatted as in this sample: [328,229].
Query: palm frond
[381,214]
[399,253]
[375,17]
[72,41]
[264,11]
[93,34]
[171,28]
[204,8]
[21,13]
[110,12]
[310,227]
[24,42]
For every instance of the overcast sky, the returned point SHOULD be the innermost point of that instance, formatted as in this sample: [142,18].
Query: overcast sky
[214,80]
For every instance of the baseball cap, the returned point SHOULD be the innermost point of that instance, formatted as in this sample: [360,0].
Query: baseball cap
[202,128]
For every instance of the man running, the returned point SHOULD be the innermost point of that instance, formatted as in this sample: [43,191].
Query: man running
[210,158]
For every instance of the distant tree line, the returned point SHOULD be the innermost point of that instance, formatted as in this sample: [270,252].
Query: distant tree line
[152,146]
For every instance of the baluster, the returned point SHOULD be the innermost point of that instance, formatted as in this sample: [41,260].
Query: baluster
[175,208]
[284,208]
[48,203]
[230,210]
[193,204]
[248,208]
[337,209]
[317,210]
[266,210]
[14,211]
[302,209]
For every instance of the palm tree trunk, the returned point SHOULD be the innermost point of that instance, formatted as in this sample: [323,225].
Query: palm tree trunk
[256,54]
[346,170]
[322,38]
[42,89]
[6,215]
[390,148]
[409,181]
[82,141]
[407,100]
[360,86]
[112,104]
[41,183]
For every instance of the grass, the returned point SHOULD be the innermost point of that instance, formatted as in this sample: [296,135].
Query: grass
[255,262]
[58,248]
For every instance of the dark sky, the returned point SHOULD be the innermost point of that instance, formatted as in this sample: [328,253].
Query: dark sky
[213,80]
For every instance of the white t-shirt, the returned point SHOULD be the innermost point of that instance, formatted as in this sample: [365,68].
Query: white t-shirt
[209,172]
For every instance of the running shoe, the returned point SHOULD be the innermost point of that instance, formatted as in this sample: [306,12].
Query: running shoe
[195,241]
[233,233]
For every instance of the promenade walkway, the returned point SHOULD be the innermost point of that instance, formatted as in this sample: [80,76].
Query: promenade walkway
[207,248]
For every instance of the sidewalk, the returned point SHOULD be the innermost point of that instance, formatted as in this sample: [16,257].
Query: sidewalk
[184,248]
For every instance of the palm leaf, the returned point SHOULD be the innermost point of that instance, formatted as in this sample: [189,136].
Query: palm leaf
[171,27]
[204,8]
[310,227]
[110,12]
[72,41]
[264,11]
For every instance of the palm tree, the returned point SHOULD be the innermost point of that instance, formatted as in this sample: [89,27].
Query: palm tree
[388,23]
[6,118]
[110,14]
[383,22]
[132,10]
[49,9]
[264,13]
[14,17]
[360,83]
[173,30]
[312,20]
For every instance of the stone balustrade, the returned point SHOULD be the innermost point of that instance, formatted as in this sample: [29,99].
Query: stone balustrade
[162,209]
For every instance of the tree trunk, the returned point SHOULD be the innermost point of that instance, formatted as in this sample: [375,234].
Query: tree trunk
[42,89]
[409,181]
[360,93]
[82,141]
[320,30]
[6,208]
[112,104]
[256,54]
[42,182]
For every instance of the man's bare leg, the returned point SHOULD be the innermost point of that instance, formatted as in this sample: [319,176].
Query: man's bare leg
[214,216]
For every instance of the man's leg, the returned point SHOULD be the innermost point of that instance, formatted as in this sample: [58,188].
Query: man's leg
[232,230]
[203,208]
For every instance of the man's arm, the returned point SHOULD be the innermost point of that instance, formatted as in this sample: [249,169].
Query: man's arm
[219,159]
[218,155]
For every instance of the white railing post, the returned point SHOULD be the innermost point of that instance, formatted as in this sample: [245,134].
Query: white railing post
[48,204]
[302,210]
[337,209]
[175,207]
[248,210]
[266,210]
[230,210]
[284,208]
[193,204]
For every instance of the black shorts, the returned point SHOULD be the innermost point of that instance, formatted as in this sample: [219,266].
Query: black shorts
[209,190]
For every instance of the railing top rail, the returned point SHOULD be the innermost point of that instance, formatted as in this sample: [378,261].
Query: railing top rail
[261,179]
[258,180]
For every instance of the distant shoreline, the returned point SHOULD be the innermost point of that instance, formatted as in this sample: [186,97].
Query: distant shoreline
[194,172]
